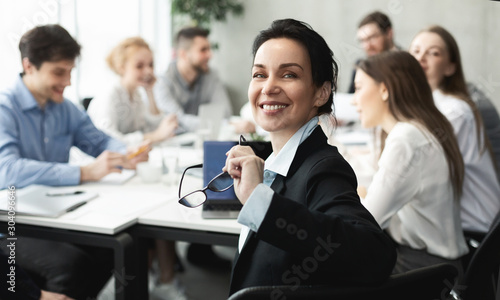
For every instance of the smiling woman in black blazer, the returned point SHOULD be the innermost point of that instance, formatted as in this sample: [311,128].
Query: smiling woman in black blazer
[303,220]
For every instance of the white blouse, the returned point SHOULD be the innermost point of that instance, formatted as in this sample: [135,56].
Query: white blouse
[481,191]
[411,194]
[121,116]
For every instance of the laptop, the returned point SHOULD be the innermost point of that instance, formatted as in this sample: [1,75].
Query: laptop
[224,205]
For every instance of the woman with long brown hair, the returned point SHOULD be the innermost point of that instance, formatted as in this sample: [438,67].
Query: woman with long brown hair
[415,193]
[438,54]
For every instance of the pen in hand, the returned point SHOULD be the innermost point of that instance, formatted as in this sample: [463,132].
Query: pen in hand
[139,151]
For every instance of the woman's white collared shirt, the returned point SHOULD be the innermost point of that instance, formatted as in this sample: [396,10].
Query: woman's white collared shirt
[481,191]
[411,194]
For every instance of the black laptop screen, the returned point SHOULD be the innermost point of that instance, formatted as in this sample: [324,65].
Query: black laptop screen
[214,159]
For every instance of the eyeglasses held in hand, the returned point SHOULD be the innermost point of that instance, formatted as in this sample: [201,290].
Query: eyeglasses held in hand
[220,183]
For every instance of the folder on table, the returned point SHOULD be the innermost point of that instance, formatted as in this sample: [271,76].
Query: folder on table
[45,201]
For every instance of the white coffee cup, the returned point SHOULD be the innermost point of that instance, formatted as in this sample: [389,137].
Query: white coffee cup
[149,172]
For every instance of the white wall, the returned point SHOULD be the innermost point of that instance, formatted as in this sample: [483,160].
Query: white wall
[474,23]
[96,24]
[102,24]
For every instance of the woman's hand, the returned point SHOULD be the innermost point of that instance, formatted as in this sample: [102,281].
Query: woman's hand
[148,82]
[246,169]
[362,192]
[167,127]
[45,295]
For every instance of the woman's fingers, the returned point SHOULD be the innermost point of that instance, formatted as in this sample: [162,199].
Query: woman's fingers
[237,151]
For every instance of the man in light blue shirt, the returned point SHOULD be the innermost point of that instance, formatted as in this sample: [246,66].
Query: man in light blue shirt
[38,126]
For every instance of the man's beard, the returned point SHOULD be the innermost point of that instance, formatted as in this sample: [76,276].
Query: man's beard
[387,44]
[200,68]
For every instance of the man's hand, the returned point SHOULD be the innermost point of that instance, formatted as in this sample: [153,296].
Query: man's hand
[137,155]
[107,162]
[246,169]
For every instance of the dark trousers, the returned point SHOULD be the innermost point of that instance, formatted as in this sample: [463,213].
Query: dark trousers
[76,271]
[409,259]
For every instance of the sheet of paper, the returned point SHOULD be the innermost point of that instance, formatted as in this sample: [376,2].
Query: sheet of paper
[118,178]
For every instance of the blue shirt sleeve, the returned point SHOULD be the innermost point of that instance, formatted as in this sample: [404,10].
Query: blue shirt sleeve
[20,172]
[88,138]
[253,212]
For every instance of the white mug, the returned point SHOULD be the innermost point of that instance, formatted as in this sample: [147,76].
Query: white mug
[148,172]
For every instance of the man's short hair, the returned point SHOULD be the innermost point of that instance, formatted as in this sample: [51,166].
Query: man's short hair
[381,20]
[186,36]
[48,43]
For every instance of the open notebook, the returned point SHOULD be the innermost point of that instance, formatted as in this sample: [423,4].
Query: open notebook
[46,201]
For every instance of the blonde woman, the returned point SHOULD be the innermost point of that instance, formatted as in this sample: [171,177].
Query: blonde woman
[120,111]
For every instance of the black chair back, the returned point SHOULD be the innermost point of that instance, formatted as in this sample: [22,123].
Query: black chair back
[429,283]
[86,102]
[481,276]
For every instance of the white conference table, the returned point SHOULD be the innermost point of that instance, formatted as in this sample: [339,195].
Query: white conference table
[122,216]
[101,222]
[116,208]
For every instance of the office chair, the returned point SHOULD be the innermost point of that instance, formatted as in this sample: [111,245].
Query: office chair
[428,283]
[481,279]
[473,239]
[86,102]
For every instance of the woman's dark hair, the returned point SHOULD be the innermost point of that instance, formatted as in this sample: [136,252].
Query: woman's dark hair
[323,66]
[410,100]
[48,43]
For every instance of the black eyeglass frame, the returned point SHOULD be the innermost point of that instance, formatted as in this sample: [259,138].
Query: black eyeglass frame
[242,142]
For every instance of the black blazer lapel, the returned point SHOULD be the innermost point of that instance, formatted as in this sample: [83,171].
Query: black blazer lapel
[305,149]
[236,276]
[278,184]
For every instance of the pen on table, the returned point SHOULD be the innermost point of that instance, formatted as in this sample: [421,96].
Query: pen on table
[64,193]
[139,151]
